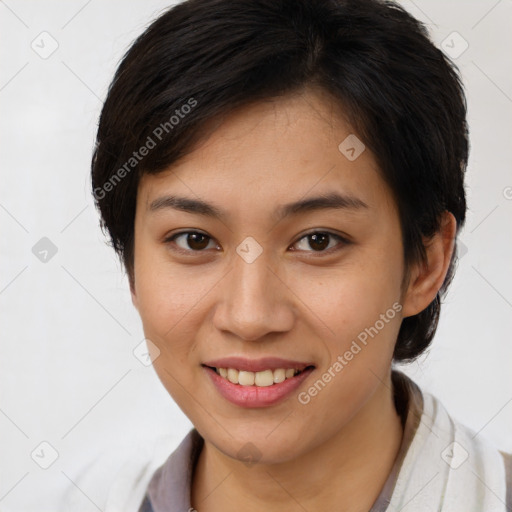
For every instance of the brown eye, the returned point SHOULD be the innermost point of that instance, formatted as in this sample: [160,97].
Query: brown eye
[320,241]
[190,241]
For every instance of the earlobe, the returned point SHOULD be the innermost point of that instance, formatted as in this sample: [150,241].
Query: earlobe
[427,279]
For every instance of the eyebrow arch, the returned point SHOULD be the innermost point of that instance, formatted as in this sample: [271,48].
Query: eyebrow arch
[331,200]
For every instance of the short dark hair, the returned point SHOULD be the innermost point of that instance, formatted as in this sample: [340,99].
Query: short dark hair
[202,59]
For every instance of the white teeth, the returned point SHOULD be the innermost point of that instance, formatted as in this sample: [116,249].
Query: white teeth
[245,378]
[233,375]
[279,375]
[262,379]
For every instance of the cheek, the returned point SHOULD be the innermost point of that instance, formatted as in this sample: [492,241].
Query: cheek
[169,301]
[166,292]
[345,301]
[166,298]
[358,315]
[363,320]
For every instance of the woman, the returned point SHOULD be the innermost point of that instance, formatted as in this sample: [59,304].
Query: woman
[284,183]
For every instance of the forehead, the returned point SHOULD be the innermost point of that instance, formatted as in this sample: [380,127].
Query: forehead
[270,153]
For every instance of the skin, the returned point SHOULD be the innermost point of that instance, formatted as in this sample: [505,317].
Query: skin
[293,301]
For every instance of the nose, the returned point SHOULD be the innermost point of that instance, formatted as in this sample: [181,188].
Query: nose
[253,301]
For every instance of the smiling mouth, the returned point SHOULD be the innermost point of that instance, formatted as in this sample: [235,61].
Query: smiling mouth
[264,378]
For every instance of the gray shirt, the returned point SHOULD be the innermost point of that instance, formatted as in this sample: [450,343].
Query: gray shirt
[169,489]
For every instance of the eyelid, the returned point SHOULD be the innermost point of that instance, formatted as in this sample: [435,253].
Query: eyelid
[341,238]
[170,239]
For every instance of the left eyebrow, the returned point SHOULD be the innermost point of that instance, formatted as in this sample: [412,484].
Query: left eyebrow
[332,200]
[322,202]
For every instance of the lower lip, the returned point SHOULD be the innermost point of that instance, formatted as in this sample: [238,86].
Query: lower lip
[255,396]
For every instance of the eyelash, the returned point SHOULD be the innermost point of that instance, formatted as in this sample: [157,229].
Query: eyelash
[171,240]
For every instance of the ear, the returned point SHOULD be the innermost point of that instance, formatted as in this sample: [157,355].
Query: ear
[427,279]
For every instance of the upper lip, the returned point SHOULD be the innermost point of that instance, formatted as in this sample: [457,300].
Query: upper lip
[256,365]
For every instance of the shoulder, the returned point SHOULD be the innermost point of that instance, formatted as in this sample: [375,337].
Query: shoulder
[507,460]
[468,467]
[169,488]
[116,478]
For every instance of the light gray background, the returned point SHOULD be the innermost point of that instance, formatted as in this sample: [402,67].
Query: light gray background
[68,375]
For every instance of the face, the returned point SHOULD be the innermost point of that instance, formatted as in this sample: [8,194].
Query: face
[247,277]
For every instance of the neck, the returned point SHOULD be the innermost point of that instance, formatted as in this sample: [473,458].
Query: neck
[346,473]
